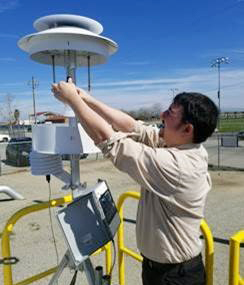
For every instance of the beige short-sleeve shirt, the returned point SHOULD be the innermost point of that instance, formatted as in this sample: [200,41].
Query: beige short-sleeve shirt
[174,184]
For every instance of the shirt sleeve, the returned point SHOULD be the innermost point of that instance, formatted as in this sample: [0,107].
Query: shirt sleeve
[155,169]
[147,135]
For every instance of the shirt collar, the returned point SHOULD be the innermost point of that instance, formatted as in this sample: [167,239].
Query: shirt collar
[187,146]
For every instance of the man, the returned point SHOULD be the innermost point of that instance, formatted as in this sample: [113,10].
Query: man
[172,169]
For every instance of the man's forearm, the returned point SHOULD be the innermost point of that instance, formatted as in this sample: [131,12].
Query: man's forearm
[96,127]
[118,119]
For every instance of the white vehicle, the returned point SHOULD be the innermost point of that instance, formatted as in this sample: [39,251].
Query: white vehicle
[4,138]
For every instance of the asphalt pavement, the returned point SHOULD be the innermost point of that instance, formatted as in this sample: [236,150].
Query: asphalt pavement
[225,156]
[223,213]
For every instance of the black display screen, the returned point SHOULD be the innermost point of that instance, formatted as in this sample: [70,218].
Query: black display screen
[108,206]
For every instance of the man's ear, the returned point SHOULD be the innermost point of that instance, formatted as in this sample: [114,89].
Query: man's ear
[189,129]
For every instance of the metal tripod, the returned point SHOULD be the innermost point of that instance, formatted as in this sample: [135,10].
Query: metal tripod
[75,185]
[85,266]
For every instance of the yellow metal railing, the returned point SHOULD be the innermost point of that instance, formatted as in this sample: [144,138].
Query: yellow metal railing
[234,268]
[122,249]
[6,252]
[209,251]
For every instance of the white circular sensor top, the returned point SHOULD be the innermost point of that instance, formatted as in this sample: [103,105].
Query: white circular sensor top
[62,20]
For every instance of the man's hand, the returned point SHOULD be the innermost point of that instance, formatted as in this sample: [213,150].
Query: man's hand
[65,91]
[83,94]
[94,124]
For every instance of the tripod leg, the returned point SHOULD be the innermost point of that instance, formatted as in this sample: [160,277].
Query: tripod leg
[89,270]
[64,262]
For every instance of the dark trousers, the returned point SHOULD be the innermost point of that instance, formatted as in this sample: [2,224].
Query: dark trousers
[190,272]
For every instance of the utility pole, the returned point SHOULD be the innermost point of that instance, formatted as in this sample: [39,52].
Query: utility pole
[216,63]
[34,84]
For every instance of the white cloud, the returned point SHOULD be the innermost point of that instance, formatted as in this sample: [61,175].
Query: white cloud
[8,4]
[134,82]
[136,92]
[235,55]
[133,94]
[240,50]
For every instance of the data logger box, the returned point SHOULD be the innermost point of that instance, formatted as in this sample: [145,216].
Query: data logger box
[89,222]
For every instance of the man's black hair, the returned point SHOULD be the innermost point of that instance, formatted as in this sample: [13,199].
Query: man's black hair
[200,111]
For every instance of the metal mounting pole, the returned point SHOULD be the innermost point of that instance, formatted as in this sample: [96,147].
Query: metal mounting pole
[70,63]
[74,158]
[217,62]
[53,66]
[218,123]
[76,187]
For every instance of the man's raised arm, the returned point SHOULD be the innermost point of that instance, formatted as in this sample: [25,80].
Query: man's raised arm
[119,120]
[95,126]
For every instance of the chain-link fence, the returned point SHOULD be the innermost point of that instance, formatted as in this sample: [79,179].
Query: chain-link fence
[228,152]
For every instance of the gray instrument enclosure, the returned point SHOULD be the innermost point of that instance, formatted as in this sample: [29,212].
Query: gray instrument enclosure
[89,222]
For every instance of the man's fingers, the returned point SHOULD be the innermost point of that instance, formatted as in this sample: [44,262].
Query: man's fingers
[81,91]
[70,80]
[54,87]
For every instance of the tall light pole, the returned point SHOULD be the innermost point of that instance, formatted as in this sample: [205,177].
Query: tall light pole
[216,63]
[34,83]
[173,91]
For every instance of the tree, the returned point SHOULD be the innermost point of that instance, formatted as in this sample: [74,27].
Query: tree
[156,109]
[147,113]
[16,116]
[6,109]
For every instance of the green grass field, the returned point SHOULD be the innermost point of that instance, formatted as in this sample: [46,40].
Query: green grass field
[232,125]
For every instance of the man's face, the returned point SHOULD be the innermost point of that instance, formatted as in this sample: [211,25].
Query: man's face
[173,126]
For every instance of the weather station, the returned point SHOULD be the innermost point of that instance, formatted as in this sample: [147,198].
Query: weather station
[91,220]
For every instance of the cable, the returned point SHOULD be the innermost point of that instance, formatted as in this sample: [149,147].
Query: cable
[74,278]
[48,179]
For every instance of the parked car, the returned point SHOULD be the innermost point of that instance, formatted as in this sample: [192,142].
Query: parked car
[18,151]
[241,135]
[4,138]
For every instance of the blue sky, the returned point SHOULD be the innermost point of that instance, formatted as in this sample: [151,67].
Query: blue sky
[163,44]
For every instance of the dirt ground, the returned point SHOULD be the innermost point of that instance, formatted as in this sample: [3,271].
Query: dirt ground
[32,241]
